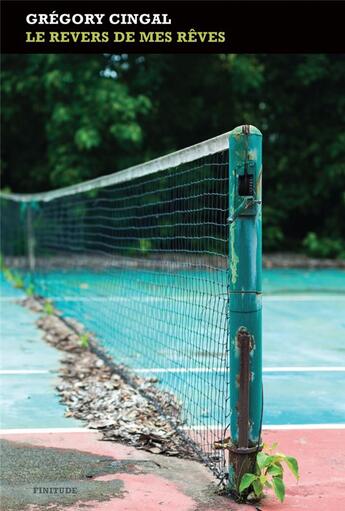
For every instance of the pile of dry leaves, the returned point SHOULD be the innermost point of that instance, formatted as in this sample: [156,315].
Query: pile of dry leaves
[101,393]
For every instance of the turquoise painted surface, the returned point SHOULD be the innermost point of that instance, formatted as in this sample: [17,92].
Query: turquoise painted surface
[27,400]
[303,325]
[21,342]
[292,280]
[303,314]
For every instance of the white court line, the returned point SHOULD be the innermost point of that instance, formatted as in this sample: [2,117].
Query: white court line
[12,298]
[288,369]
[117,299]
[328,296]
[303,426]
[158,370]
[274,426]
[281,427]
[332,296]
[302,369]
[26,371]
[43,430]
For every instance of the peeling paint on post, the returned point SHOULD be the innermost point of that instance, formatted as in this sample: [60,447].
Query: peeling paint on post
[245,299]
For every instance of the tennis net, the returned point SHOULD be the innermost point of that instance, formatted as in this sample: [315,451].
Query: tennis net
[140,257]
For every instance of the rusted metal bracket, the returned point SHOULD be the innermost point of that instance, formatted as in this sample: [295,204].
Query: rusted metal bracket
[227,445]
[245,345]
[247,203]
[244,450]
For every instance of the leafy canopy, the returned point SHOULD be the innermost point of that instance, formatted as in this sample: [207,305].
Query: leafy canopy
[68,118]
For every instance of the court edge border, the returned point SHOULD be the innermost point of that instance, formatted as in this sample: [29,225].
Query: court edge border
[267,427]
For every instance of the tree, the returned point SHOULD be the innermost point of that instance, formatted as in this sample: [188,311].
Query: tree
[65,120]
[298,103]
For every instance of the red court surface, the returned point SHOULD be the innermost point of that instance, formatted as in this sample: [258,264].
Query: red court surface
[141,481]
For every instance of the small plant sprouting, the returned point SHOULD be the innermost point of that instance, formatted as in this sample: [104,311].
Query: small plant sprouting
[18,281]
[48,308]
[30,290]
[145,246]
[8,274]
[84,340]
[13,278]
[269,472]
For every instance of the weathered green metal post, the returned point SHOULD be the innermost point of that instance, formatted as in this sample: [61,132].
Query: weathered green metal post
[245,301]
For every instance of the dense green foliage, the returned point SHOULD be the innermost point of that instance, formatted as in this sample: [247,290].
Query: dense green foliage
[63,122]
[67,118]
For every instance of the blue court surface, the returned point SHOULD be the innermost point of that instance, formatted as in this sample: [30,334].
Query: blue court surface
[28,370]
[303,350]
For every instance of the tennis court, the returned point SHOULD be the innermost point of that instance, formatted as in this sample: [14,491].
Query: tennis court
[303,328]
[303,374]
[161,265]
[290,296]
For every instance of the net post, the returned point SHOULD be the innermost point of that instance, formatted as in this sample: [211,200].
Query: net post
[245,301]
